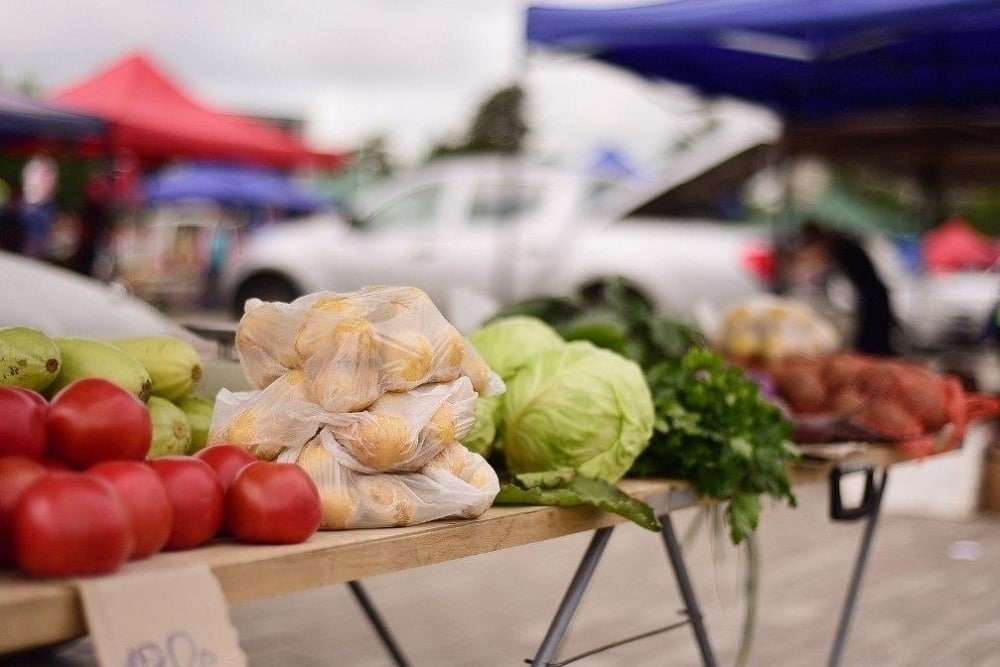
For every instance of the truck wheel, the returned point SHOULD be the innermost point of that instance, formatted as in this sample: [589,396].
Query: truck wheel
[612,291]
[266,287]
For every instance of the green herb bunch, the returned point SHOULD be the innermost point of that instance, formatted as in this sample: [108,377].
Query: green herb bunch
[715,430]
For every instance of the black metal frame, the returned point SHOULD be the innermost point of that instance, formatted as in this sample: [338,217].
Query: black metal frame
[560,623]
[381,628]
[871,505]
[868,509]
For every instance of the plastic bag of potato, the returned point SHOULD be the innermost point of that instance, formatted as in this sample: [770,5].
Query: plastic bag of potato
[455,483]
[401,432]
[265,422]
[371,392]
[356,346]
[766,328]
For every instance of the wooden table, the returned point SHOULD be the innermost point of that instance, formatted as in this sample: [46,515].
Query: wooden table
[42,612]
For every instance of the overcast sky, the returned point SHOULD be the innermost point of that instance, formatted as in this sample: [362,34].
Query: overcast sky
[412,70]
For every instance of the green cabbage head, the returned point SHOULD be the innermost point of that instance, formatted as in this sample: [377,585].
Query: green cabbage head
[509,343]
[482,438]
[576,406]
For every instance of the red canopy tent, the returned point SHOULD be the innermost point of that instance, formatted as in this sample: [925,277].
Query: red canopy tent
[155,119]
[954,245]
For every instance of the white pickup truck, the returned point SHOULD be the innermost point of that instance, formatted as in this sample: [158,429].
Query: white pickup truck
[475,234]
[480,233]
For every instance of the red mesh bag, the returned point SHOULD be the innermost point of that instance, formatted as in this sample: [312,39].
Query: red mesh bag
[845,396]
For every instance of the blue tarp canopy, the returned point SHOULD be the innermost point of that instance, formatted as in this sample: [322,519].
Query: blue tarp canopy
[236,185]
[910,85]
[22,118]
[805,59]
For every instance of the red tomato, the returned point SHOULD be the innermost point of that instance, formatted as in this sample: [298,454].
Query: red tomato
[68,524]
[34,396]
[197,497]
[16,474]
[55,464]
[273,503]
[22,422]
[93,420]
[151,515]
[226,460]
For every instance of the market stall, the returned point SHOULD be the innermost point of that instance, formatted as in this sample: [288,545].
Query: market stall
[390,513]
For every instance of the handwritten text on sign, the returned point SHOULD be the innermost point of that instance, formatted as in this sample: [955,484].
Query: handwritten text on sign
[162,618]
[178,649]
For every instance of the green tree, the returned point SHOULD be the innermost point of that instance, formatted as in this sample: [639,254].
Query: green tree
[372,159]
[26,85]
[984,210]
[498,127]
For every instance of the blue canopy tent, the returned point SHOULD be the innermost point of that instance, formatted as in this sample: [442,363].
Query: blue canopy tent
[235,185]
[806,59]
[23,119]
[911,84]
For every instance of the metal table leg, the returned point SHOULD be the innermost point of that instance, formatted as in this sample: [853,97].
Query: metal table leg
[873,504]
[687,591]
[376,620]
[557,629]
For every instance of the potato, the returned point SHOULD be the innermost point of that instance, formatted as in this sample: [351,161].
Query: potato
[387,499]
[338,499]
[407,359]
[377,441]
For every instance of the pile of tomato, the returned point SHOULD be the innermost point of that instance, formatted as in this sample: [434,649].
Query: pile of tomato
[78,496]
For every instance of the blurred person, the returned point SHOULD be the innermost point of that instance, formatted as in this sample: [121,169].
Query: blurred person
[820,251]
[39,211]
[223,243]
[63,237]
[94,225]
[991,327]
[11,225]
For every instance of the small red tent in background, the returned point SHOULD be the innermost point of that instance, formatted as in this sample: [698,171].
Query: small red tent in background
[152,117]
[954,245]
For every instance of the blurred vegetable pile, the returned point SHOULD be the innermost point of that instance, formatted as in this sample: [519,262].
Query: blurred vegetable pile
[710,424]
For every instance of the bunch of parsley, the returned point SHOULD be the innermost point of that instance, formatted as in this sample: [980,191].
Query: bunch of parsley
[715,430]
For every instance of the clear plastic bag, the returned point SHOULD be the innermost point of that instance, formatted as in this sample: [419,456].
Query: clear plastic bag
[356,346]
[769,328]
[455,460]
[351,499]
[265,422]
[401,431]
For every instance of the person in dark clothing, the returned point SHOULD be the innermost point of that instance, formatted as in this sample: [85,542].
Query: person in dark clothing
[95,222]
[11,225]
[875,321]
[39,209]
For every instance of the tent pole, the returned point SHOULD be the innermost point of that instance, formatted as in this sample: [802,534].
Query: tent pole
[785,166]
[931,184]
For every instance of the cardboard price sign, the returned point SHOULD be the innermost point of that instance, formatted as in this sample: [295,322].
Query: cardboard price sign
[164,618]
